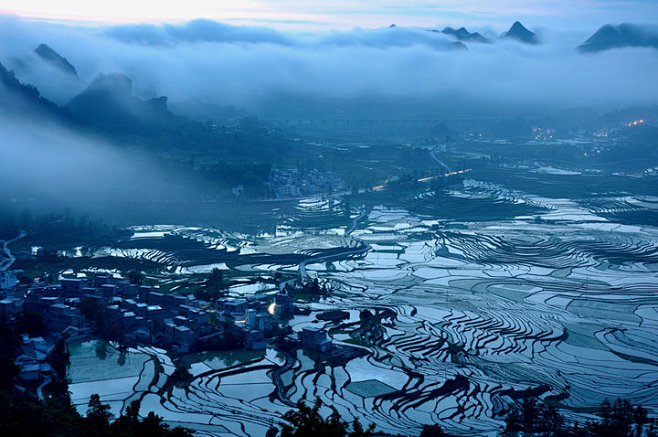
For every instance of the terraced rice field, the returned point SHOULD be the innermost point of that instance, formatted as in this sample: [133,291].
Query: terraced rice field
[474,314]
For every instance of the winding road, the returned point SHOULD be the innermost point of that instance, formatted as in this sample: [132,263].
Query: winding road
[434,157]
[8,258]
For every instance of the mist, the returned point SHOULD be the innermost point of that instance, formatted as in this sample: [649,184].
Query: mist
[268,72]
[46,167]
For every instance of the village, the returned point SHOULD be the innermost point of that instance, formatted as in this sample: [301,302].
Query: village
[293,183]
[79,309]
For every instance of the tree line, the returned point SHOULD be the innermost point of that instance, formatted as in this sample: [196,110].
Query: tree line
[529,418]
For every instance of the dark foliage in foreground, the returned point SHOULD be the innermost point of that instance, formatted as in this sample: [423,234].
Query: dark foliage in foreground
[534,418]
[58,417]
[531,418]
[621,419]
[307,421]
[433,431]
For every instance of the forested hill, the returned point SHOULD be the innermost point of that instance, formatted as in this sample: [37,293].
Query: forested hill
[108,108]
[24,100]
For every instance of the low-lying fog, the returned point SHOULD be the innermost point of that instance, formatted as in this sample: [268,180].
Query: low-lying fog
[48,167]
[255,68]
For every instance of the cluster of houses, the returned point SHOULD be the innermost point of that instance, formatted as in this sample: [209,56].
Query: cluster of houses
[144,315]
[32,358]
[294,183]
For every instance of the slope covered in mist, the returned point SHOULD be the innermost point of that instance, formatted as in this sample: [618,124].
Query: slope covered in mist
[22,99]
[624,35]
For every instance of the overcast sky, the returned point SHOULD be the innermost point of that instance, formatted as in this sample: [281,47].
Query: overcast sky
[345,14]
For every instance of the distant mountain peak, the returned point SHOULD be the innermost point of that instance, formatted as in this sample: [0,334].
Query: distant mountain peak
[520,33]
[115,82]
[49,55]
[464,35]
[159,103]
[622,35]
[109,104]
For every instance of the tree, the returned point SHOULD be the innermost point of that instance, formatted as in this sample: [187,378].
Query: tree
[432,431]
[98,416]
[216,278]
[307,421]
[358,431]
[534,417]
[136,277]
[59,358]
[30,322]
[620,418]
[95,313]
[181,376]
[8,351]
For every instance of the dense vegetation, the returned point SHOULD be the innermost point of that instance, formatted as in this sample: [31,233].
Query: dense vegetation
[620,419]
[529,418]
[307,421]
[56,416]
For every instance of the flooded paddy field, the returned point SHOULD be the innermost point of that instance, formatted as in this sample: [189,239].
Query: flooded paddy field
[466,315]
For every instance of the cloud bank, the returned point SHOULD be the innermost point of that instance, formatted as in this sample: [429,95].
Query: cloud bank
[264,70]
